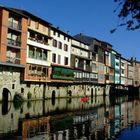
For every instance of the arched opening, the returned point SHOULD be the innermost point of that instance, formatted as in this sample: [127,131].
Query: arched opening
[53,97]
[5,99]
[70,93]
[91,92]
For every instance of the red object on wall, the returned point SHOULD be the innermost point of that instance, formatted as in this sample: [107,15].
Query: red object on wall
[84,99]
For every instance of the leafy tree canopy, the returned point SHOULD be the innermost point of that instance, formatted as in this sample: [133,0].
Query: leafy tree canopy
[129,13]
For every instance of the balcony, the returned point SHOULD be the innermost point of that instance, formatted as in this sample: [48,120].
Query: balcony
[93,80]
[14,60]
[38,62]
[16,26]
[82,79]
[13,43]
[39,44]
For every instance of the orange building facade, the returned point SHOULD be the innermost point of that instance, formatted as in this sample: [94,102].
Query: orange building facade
[13,37]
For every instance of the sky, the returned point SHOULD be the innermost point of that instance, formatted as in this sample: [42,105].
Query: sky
[91,17]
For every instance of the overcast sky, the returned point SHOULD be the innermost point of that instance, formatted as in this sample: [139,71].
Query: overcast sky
[90,17]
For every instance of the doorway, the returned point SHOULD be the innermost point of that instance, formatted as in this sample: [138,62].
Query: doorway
[53,97]
[5,95]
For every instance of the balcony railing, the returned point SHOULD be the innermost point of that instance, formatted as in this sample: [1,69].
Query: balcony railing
[37,57]
[94,80]
[38,40]
[15,25]
[14,60]
[13,42]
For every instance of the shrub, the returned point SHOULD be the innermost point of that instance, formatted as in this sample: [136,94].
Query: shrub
[17,100]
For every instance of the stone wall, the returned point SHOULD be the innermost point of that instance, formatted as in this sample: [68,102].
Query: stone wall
[11,79]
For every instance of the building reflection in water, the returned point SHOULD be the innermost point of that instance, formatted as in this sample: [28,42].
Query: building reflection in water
[70,119]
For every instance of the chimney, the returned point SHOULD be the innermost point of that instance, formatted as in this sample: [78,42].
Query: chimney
[58,27]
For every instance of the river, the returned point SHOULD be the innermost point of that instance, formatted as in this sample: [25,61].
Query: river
[99,118]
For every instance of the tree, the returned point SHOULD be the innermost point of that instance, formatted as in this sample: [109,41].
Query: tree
[129,13]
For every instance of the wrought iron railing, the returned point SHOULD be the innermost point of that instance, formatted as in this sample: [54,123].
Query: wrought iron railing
[13,42]
[14,60]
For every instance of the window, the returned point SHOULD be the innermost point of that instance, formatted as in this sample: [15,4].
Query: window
[38,54]
[60,45]
[37,25]
[130,81]
[122,64]
[101,77]
[34,70]
[93,57]
[39,71]
[44,28]
[107,77]
[29,21]
[13,86]
[94,67]
[59,59]
[44,71]
[117,64]
[136,82]
[122,71]
[54,57]
[130,68]
[44,55]
[111,77]
[96,48]
[55,43]
[65,47]
[93,75]
[45,40]
[65,60]
[101,67]
[22,90]
[31,52]
[58,34]
[130,74]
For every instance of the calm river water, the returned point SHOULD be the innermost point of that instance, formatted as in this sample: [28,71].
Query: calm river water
[100,118]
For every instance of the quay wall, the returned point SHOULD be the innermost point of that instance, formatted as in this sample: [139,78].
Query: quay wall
[12,83]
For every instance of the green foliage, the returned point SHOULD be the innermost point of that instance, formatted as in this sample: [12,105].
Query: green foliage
[29,95]
[18,100]
[129,13]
